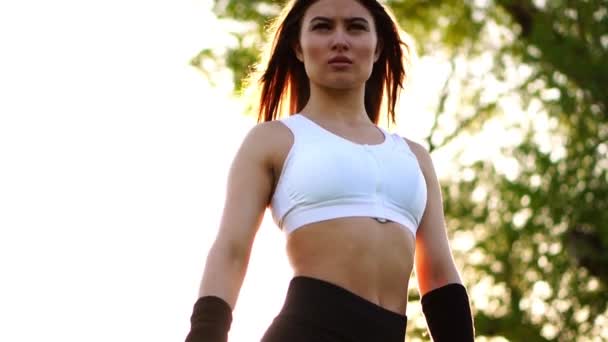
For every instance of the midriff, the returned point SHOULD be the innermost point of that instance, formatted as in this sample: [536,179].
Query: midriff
[370,259]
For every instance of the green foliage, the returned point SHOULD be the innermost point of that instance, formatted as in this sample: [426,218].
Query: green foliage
[440,24]
[538,268]
[256,11]
[535,240]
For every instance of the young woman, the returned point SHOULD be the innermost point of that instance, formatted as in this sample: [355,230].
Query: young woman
[360,207]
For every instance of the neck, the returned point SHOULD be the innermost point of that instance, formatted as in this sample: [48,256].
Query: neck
[342,105]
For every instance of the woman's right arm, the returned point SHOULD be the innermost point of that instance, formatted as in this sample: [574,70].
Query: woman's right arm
[248,193]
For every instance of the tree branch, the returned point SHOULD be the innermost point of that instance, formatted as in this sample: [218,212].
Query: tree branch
[441,106]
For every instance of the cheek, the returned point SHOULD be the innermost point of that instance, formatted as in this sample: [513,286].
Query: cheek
[366,49]
[312,49]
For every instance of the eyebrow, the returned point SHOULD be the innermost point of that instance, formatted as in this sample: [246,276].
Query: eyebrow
[347,19]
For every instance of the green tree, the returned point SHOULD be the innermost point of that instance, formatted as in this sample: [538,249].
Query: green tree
[540,254]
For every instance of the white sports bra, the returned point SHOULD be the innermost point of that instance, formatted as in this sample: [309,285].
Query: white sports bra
[326,176]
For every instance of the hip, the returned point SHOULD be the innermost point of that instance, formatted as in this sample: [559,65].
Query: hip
[319,311]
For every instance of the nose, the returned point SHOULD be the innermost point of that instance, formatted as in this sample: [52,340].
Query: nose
[339,40]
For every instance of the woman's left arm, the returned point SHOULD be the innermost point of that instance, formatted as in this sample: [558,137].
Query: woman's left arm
[445,302]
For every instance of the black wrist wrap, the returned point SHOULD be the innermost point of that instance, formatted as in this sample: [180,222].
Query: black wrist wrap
[210,321]
[448,314]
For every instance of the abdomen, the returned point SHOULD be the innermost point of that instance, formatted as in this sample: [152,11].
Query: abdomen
[371,259]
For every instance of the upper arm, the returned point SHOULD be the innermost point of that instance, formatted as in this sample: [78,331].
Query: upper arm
[433,257]
[248,192]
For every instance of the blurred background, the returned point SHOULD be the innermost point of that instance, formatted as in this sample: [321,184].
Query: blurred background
[119,120]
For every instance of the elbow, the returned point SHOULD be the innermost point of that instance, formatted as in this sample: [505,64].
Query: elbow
[231,250]
[448,274]
[437,276]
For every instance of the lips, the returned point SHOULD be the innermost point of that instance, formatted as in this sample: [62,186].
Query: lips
[340,60]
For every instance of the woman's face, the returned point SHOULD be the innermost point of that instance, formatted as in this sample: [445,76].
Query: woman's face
[338,44]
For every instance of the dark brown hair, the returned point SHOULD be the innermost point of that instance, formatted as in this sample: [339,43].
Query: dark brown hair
[284,80]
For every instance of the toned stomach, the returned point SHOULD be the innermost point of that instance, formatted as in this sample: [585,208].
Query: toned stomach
[370,259]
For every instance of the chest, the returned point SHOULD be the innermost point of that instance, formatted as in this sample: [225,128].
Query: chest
[325,172]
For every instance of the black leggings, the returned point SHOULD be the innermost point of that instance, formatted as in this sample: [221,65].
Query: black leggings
[318,311]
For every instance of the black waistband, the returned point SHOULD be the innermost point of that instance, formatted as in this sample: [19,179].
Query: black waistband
[327,305]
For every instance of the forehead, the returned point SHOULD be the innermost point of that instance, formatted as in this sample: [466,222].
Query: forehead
[337,9]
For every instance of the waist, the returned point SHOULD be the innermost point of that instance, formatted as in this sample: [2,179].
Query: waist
[373,260]
[330,306]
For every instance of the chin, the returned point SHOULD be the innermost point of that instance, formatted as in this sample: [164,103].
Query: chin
[342,84]
[348,86]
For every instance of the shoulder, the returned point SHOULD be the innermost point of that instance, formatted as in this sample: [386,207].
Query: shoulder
[268,132]
[422,154]
[268,139]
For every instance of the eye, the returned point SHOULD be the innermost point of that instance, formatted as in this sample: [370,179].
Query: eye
[321,26]
[358,27]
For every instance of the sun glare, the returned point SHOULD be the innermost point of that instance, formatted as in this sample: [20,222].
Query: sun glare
[115,155]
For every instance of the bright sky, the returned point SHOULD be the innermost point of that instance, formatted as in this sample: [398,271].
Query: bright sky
[113,160]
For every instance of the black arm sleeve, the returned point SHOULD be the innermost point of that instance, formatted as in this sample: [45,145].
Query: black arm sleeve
[448,314]
[210,321]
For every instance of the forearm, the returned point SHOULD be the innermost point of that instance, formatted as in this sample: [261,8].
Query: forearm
[445,302]
[448,313]
[432,276]
[212,314]
[224,274]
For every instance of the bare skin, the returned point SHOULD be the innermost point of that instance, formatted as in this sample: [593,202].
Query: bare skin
[368,258]
[371,259]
